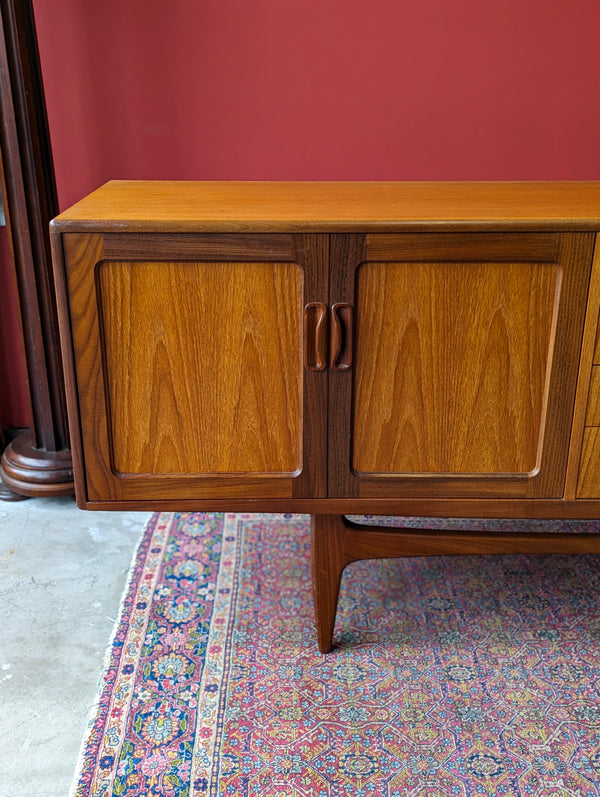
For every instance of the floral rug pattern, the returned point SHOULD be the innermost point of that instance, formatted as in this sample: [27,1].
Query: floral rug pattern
[452,677]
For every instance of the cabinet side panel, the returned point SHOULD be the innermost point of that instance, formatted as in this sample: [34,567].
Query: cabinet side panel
[203,366]
[452,371]
[64,317]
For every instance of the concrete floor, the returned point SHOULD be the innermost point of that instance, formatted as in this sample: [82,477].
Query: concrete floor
[62,575]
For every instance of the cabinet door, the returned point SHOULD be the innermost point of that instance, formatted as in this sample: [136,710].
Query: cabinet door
[464,363]
[189,365]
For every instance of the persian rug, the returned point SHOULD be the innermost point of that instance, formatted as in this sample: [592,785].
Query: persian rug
[452,676]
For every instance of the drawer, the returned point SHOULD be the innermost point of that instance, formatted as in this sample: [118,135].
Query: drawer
[592,417]
[588,485]
[589,469]
[597,349]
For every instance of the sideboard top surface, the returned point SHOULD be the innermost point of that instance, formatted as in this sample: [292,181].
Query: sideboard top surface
[182,206]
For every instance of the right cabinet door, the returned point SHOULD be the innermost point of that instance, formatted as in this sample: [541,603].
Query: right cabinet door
[457,358]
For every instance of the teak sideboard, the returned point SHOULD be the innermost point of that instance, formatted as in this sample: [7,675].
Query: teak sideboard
[338,349]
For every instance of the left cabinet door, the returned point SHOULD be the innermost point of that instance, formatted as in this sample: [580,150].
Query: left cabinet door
[187,377]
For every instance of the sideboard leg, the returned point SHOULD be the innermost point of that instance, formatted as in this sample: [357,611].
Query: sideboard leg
[328,561]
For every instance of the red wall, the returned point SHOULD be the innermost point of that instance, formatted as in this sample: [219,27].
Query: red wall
[320,89]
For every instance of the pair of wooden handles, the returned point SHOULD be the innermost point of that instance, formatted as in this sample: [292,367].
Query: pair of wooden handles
[325,347]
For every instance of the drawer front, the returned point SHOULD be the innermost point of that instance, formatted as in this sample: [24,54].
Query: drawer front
[588,476]
[597,348]
[588,485]
[589,468]
[592,417]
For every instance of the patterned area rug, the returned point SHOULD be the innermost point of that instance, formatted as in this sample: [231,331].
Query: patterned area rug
[452,676]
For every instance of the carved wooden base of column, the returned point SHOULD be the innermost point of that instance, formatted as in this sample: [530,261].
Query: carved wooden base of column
[8,495]
[34,472]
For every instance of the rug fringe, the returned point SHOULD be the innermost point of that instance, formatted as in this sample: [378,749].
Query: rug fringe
[101,683]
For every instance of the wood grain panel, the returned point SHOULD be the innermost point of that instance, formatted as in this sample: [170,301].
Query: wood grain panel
[203,366]
[586,359]
[187,246]
[592,417]
[488,247]
[346,252]
[589,470]
[180,206]
[451,371]
[311,252]
[87,408]
[597,348]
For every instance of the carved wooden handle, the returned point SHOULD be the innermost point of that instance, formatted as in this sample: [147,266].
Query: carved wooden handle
[315,336]
[342,316]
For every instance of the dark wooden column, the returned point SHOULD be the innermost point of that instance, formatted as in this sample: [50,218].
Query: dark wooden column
[37,462]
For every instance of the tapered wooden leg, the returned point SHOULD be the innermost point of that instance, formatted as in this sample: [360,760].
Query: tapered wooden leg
[328,561]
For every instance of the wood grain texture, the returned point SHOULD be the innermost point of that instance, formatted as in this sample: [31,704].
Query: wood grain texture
[153,350]
[68,359]
[382,543]
[596,358]
[146,206]
[451,370]
[315,336]
[30,200]
[576,256]
[586,358]
[433,505]
[88,418]
[417,247]
[203,366]
[347,251]
[311,252]
[588,485]
[328,562]
[187,246]
[38,462]
[556,382]
[592,417]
